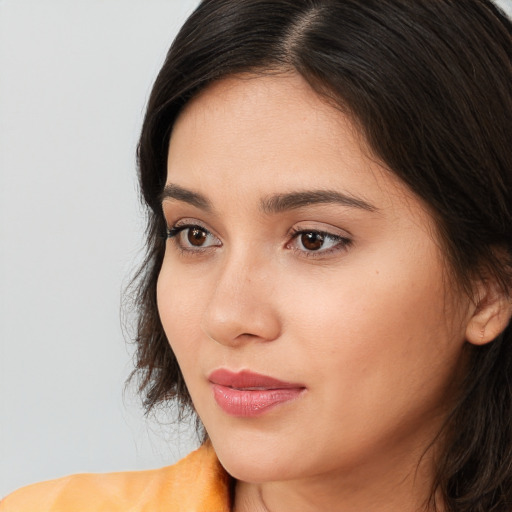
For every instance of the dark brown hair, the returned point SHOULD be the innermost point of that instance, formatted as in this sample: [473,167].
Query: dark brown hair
[429,84]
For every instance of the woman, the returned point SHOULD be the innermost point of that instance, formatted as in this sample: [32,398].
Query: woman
[329,261]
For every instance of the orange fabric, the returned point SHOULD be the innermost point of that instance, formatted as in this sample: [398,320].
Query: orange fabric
[197,483]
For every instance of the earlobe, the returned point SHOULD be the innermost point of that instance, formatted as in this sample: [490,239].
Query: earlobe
[491,315]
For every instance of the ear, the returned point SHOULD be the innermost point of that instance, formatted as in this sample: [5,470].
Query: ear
[491,314]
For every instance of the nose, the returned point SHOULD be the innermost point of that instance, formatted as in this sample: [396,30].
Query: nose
[241,307]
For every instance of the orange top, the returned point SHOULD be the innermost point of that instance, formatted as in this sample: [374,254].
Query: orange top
[197,483]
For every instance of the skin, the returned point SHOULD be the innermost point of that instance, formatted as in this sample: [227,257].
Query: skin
[372,327]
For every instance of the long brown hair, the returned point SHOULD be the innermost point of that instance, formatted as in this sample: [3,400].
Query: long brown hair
[429,83]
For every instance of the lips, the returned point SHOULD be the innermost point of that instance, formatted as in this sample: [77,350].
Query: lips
[247,394]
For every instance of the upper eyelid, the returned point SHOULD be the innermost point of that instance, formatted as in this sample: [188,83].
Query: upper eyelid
[177,227]
[295,232]
[189,223]
[324,229]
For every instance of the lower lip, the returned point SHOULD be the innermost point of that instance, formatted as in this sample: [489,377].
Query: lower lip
[249,403]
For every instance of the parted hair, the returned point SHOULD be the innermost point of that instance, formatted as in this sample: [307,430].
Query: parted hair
[429,84]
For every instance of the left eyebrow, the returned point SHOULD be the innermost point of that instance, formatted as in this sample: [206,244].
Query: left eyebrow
[283,202]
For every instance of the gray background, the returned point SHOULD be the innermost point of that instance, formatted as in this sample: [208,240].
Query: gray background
[74,78]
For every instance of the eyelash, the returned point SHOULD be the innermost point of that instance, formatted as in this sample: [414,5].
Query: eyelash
[174,232]
[341,243]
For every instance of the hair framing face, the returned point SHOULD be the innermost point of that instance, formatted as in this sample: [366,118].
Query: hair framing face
[428,83]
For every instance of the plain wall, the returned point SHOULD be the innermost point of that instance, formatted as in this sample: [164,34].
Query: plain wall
[74,78]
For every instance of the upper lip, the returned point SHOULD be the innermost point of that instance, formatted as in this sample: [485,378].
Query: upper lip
[246,379]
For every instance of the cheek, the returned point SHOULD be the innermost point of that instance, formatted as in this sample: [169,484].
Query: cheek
[179,307]
[377,328]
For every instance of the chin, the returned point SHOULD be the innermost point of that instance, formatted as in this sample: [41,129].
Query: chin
[257,458]
[251,460]
[256,471]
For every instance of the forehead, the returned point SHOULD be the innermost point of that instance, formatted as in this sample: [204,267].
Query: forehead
[253,108]
[273,133]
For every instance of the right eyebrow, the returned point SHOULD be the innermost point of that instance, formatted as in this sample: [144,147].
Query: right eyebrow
[178,193]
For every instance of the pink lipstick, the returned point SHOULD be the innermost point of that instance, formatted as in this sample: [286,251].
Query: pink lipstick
[247,394]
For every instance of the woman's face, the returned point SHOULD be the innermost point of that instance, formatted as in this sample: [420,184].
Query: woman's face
[303,290]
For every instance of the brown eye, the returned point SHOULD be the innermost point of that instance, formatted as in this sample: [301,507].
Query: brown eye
[192,238]
[312,241]
[196,236]
[318,243]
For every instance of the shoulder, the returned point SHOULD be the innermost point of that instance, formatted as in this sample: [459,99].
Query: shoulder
[197,483]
